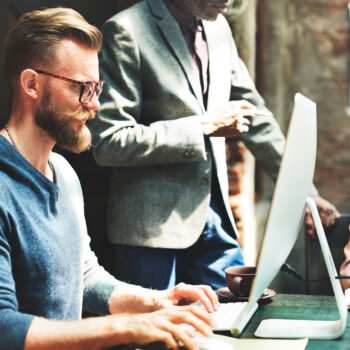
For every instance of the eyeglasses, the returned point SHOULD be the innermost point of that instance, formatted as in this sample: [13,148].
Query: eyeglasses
[87,88]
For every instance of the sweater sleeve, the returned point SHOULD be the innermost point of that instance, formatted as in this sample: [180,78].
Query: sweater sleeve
[98,284]
[14,325]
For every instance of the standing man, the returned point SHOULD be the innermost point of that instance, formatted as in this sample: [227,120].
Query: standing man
[175,89]
[48,274]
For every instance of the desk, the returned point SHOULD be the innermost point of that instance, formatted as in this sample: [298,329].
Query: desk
[294,306]
[302,307]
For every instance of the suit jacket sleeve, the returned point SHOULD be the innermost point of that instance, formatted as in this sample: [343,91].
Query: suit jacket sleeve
[123,137]
[264,139]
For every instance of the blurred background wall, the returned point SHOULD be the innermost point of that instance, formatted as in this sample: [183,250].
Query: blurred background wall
[303,45]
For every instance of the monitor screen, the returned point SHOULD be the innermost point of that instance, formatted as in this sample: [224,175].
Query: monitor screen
[292,187]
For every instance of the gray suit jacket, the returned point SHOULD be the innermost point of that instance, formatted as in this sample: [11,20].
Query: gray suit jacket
[148,128]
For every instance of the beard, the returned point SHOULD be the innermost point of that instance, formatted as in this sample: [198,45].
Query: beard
[59,125]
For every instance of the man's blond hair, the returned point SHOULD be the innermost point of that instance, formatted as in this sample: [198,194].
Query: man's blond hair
[33,38]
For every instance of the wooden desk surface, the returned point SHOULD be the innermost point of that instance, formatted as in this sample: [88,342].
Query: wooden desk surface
[308,307]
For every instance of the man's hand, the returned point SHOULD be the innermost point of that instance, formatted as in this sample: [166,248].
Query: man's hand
[134,299]
[164,325]
[186,293]
[231,121]
[170,326]
[328,214]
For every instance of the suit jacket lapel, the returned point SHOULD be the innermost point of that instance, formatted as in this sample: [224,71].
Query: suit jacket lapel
[173,36]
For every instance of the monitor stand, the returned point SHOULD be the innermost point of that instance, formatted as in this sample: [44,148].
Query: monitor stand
[282,328]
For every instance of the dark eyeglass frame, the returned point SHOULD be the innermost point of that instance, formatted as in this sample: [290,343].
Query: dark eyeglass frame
[97,86]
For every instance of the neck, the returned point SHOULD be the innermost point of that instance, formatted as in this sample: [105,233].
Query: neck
[31,141]
[179,6]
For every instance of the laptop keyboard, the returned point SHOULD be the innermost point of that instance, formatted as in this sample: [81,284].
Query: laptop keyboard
[227,315]
[232,317]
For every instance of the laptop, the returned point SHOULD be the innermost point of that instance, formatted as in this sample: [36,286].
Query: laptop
[284,220]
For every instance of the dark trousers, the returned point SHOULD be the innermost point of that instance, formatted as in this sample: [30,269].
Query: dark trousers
[202,263]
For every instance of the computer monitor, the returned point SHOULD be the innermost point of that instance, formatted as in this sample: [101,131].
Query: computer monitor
[285,217]
[292,187]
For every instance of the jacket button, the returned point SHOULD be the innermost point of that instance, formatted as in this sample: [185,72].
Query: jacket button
[205,180]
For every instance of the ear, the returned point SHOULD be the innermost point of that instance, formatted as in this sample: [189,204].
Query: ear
[29,83]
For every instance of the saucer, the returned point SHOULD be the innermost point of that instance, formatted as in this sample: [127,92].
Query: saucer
[225,296]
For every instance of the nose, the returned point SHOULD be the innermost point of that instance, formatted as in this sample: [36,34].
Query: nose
[93,104]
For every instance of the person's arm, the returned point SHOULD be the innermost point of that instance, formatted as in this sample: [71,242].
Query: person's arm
[13,324]
[120,137]
[266,141]
[231,121]
[23,331]
[140,316]
[102,332]
[264,138]
[328,213]
[98,283]
[133,299]
[104,294]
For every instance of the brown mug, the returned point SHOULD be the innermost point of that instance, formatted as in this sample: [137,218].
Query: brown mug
[239,279]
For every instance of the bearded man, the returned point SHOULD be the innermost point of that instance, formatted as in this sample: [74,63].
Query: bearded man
[48,274]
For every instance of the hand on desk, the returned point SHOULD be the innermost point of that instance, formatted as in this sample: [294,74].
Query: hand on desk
[328,213]
[133,299]
[164,325]
[150,315]
[186,294]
